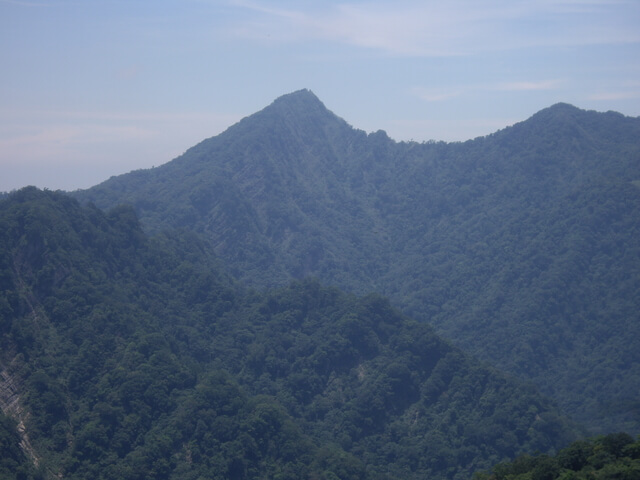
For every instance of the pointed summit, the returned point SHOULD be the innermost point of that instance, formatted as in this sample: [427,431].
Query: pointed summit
[561,107]
[301,107]
[295,118]
[303,103]
[302,98]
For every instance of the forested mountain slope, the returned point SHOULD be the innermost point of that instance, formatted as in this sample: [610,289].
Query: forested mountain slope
[523,247]
[615,455]
[124,356]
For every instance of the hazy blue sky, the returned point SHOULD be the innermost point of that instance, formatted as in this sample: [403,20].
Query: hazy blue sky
[92,88]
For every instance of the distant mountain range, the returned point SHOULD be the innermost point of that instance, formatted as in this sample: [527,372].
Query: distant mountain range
[521,247]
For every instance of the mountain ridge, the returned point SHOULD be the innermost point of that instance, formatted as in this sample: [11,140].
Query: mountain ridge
[443,229]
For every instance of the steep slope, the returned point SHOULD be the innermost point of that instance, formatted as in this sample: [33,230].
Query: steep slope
[264,191]
[137,357]
[522,247]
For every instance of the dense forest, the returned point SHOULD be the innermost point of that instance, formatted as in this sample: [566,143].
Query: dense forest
[612,456]
[129,356]
[522,247]
[296,298]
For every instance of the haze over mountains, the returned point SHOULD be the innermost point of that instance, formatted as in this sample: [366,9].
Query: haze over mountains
[128,349]
[522,247]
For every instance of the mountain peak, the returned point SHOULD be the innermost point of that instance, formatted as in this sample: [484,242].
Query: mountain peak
[560,116]
[301,103]
[562,107]
[304,95]
[300,112]
[557,110]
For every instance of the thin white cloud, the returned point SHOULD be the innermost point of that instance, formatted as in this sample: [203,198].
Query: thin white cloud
[457,27]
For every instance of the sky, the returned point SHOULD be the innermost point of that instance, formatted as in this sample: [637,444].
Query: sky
[95,88]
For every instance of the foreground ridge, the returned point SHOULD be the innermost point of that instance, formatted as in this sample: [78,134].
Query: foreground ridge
[138,357]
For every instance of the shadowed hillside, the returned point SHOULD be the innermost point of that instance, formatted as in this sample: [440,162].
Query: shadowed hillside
[126,356]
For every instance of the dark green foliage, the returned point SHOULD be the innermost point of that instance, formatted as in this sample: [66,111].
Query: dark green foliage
[14,464]
[522,247]
[138,358]
[386,385]
[613,456]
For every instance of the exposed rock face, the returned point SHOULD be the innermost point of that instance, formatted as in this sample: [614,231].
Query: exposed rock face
[11,406]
